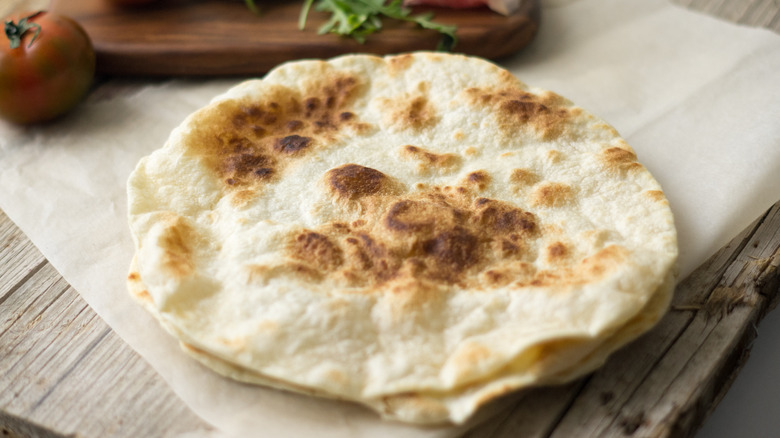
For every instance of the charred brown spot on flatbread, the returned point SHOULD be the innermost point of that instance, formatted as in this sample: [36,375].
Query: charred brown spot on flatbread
[551,194]
[619,160]
[369,260]
[317,250]
[241,166]
[470,355]
[292,144]
[452,251]
[399,63]
[556,252]
[603,261]
[479,180]
[441,235]
[509,248]
[176,244]
[656,195]
[428,161]
[516,109]
[261,273]
[520,272]
[137,288]
[353,181]
[414,112]
[554,156]
[523,177]
[496,277]
[417,216]
[586,270]
[502,218]
[250,142]
[144,296]
[366,261]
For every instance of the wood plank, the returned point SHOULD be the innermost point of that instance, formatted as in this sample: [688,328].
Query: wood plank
[760,13]
[18,261]
[51,342]
[218,37]
[757,13]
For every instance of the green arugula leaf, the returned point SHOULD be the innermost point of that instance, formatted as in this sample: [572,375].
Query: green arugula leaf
[359,18]
[250,4]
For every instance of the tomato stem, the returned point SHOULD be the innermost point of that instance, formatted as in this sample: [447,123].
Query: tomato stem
[15,31]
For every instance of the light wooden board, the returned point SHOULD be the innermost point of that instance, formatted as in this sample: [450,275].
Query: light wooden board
[58,359]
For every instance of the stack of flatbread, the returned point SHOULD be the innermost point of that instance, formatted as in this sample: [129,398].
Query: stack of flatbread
[418,233]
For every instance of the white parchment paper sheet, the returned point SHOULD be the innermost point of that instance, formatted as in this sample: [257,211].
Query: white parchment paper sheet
[697,98]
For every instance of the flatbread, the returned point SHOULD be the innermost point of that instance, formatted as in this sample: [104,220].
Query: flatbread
[419,233]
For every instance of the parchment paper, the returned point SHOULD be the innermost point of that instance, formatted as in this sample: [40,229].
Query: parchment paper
[697,98]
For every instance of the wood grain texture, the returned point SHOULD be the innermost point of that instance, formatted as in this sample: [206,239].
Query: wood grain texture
[218,37]
[757,13]
[63,372]
[58,359]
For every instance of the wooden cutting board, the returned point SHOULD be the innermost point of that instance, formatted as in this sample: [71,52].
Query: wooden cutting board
[222,37]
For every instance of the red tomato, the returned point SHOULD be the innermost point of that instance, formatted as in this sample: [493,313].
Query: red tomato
[48,72]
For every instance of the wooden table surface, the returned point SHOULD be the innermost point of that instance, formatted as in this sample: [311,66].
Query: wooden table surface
[665,384]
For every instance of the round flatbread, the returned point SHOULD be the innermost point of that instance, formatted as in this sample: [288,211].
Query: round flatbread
[419,233]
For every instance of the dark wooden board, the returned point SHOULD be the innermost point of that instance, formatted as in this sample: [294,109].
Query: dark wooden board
[222,37]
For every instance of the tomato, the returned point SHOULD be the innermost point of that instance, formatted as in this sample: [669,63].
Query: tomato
[47,64]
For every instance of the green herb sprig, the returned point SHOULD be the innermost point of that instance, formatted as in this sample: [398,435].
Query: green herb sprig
[359,18]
